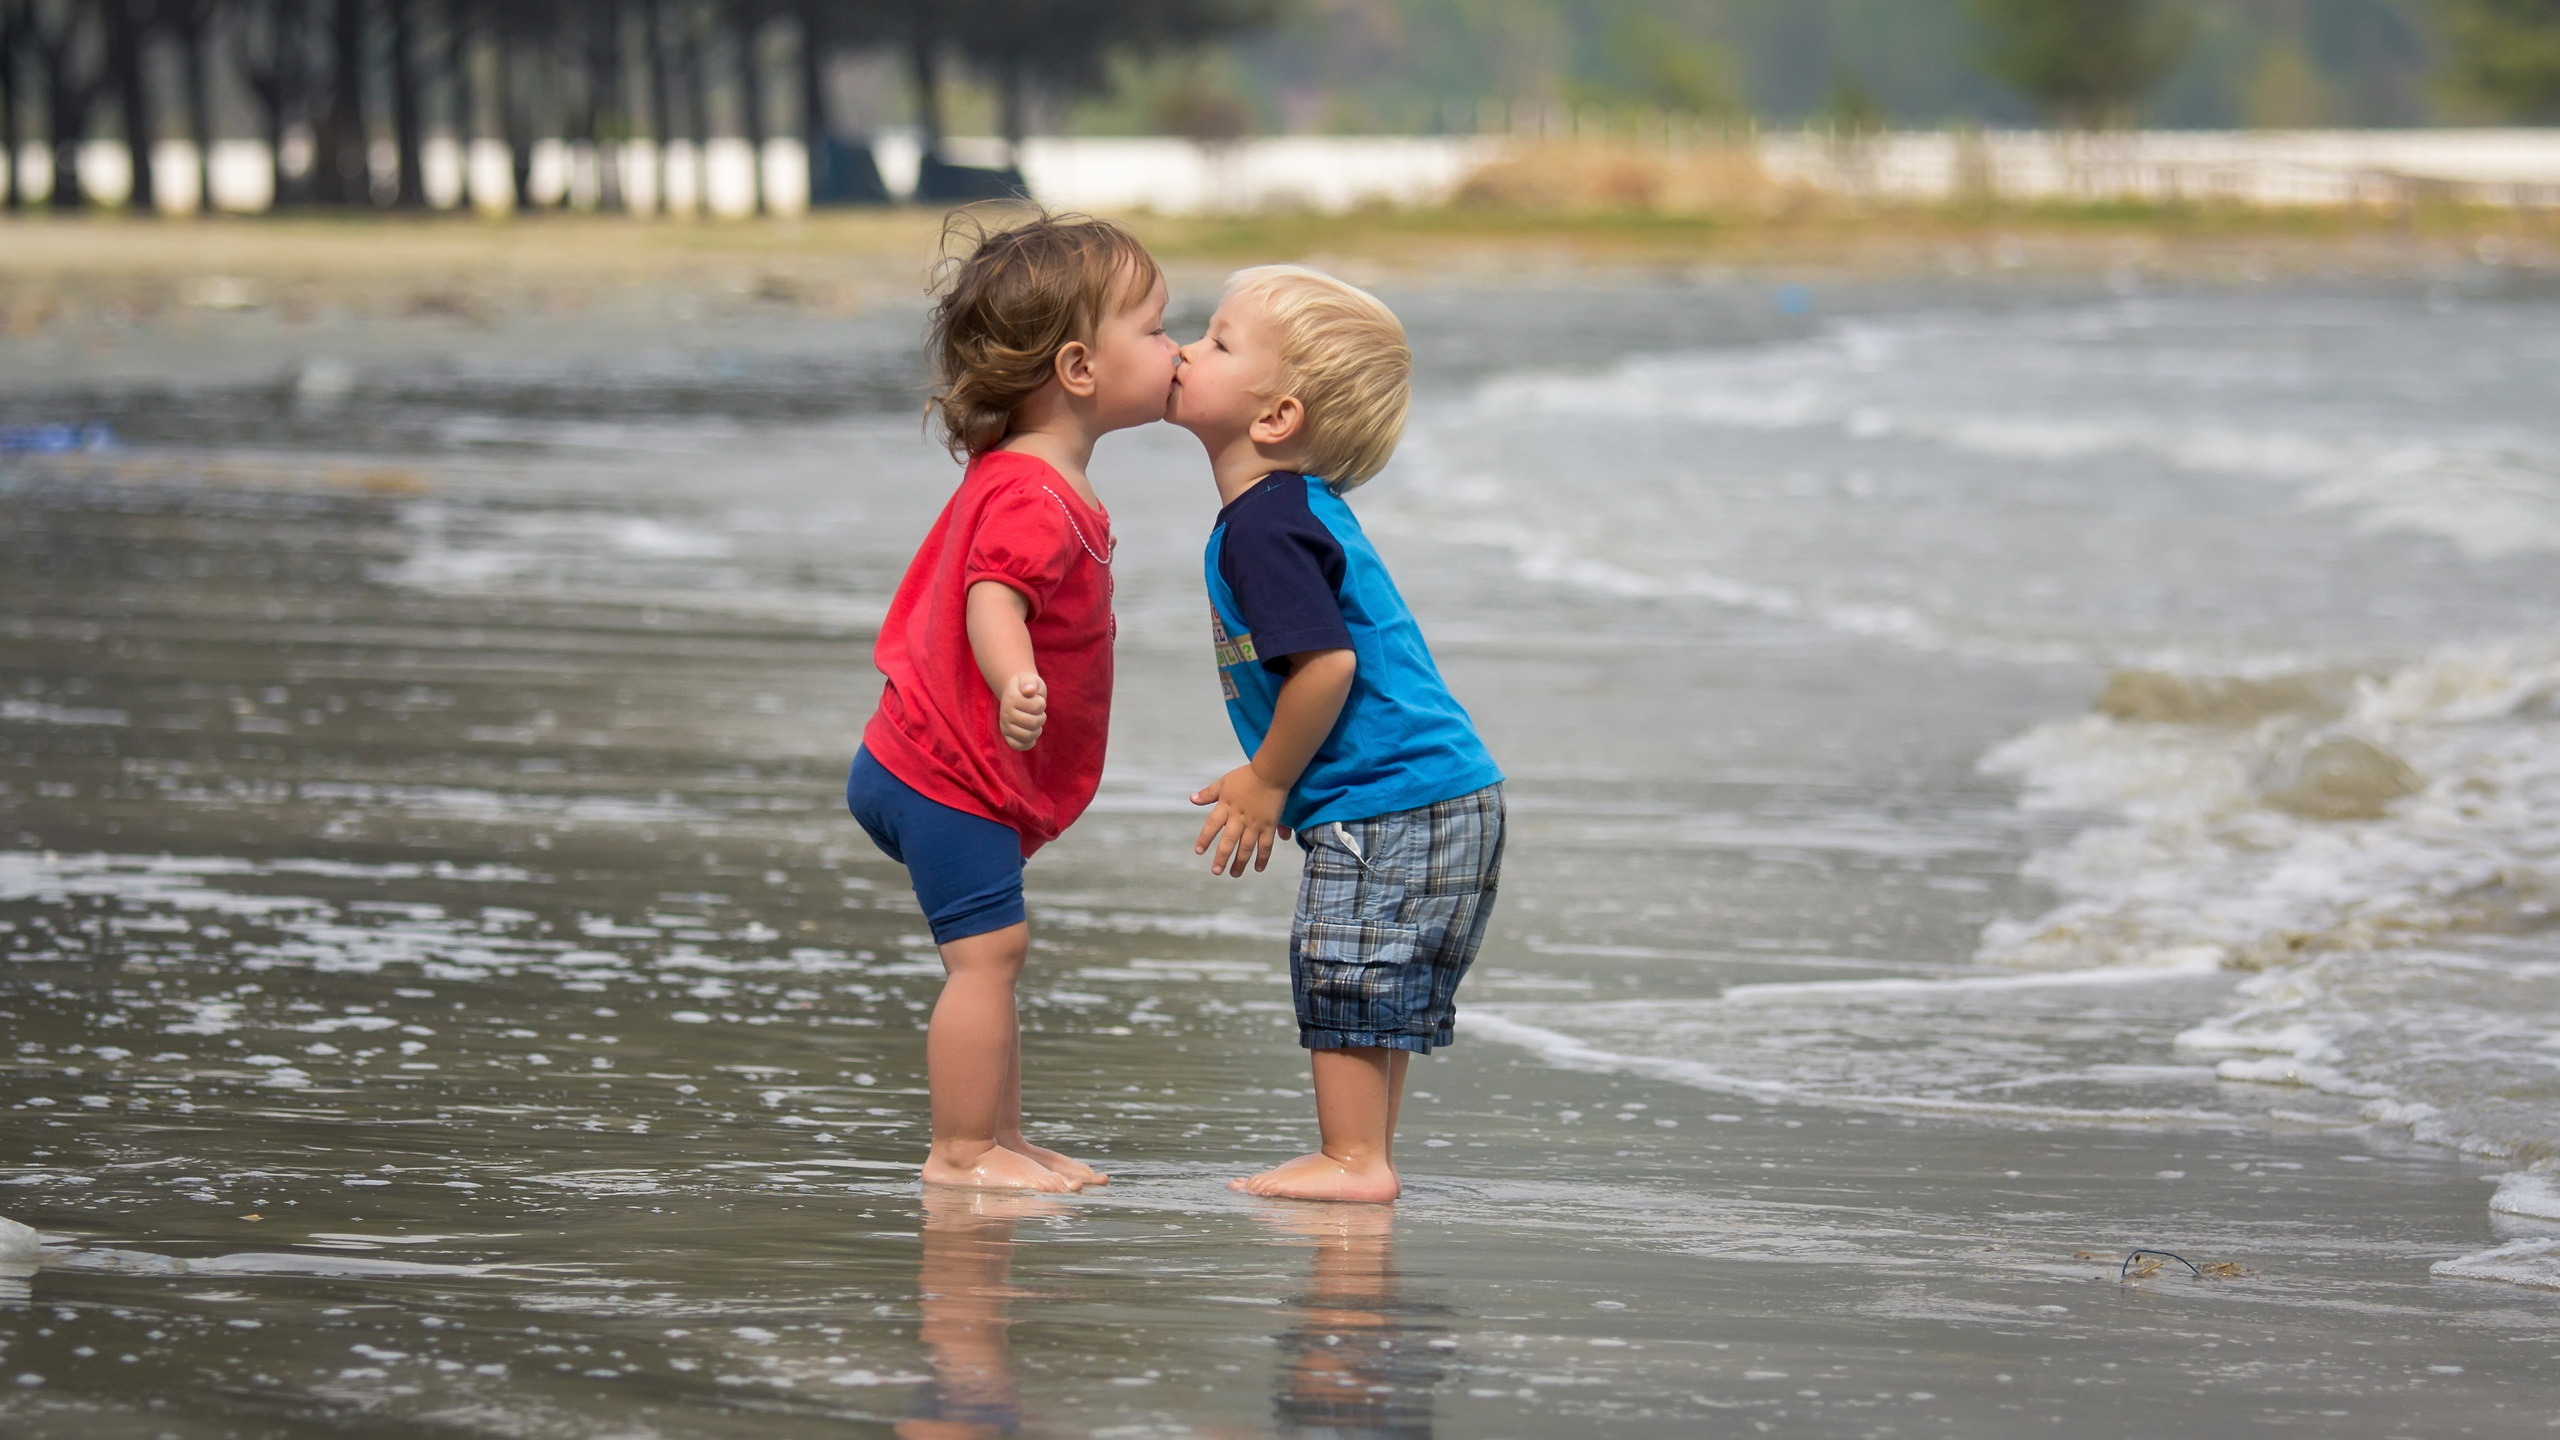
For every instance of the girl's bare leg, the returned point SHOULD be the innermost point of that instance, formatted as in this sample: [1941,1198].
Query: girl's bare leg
[1358,1095]
[971,1058]
[1009,1130]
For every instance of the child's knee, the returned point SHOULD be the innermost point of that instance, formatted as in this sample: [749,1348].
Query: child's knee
[993,953]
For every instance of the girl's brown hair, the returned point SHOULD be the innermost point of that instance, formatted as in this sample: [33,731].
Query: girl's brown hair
[1006,310]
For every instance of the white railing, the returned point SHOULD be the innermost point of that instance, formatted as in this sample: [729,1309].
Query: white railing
[1175,177]
[1328,174]
[1332,174]
[719,178]
[2256,167]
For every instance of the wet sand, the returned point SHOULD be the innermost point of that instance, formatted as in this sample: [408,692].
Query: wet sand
[447,997]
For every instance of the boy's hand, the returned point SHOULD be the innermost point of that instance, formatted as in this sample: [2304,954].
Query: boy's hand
[1244,822]
[1022,710]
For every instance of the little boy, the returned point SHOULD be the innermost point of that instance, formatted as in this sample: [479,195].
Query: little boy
[1299,392]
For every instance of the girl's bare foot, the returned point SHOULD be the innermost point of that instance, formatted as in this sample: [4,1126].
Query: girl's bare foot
[1057,1164]
[1321,1177]
[992,1168]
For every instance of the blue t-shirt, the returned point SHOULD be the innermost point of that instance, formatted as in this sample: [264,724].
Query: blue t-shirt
[1290,572]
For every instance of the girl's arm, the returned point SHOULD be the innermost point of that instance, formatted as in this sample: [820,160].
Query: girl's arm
[1000,639]
[1246,819]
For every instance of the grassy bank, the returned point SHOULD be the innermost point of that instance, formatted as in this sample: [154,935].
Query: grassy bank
[120,270]
[1825,235]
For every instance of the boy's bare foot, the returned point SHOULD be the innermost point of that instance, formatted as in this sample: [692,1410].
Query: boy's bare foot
[1057,1164]
[994,1168]
[1321,1177]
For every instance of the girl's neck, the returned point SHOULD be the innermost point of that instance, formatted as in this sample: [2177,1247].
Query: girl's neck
[1065,454]
[1046,428]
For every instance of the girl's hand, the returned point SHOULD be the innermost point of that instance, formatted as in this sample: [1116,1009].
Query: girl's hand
[1244,822]
[1022,710]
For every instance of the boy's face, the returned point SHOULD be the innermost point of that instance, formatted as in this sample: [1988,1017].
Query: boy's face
[1230,376]
[1133,361]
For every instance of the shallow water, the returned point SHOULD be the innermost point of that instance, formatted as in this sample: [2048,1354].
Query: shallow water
[446,995]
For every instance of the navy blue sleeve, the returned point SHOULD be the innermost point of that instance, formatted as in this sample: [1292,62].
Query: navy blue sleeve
[1285,570]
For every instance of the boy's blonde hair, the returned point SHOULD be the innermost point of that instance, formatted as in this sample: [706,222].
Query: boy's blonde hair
[1343,354]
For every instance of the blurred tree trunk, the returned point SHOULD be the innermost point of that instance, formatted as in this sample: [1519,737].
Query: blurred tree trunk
[192,21]
[661,108]
[12,21]
[815,134]
[407,120]
[124,67]
[697,96]
[341,171]
[272,78]
[1013,104]
[515,108]
[750,56]
[453,79]
[608,123]
[567,60]
[924,69]
[67,55]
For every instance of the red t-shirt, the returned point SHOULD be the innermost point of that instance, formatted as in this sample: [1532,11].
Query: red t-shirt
[1015,521]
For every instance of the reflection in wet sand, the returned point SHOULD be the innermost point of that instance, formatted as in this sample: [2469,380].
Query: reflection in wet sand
[1358,1363]
[967,1304]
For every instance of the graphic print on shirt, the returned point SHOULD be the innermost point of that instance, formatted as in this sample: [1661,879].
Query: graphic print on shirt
[1230,650]
[1288,571]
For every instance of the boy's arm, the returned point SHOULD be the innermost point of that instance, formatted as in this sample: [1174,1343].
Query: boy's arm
[1247,799]
[1000,641]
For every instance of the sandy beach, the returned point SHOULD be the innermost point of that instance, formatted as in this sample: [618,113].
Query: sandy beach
[446,996]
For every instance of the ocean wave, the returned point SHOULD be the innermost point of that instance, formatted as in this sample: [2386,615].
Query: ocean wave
[696,564]
[2318,883]
[1440,498]
[2039,390]
[2112,485]
[2068,1047]
[2533,1194]
[2522,1262]
[2381,851]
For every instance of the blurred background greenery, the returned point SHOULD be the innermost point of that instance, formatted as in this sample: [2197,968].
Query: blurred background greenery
[1429,64]
[347,98]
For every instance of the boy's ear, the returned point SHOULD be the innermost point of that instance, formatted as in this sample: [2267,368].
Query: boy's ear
[1074,369]
[1279,423]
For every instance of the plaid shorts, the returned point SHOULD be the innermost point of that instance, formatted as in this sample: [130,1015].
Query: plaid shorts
[1389,918]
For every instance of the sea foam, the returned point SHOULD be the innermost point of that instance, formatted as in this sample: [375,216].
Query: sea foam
[2524,1262]
[2381,852]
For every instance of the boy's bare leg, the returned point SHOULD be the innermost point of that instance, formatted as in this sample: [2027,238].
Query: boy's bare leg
[966,1047]
[1396,1061]
[1358,1092]
[1009,1126]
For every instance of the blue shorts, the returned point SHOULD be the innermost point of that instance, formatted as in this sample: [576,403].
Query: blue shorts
[1390,915]
[967,869]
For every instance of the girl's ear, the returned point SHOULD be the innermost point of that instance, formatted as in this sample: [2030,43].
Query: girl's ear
[1074,369]
[1279,422]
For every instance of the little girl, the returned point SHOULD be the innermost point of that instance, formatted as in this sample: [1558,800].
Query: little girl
[997,649]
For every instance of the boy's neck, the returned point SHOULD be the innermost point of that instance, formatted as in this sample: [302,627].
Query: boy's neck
[1242,464]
